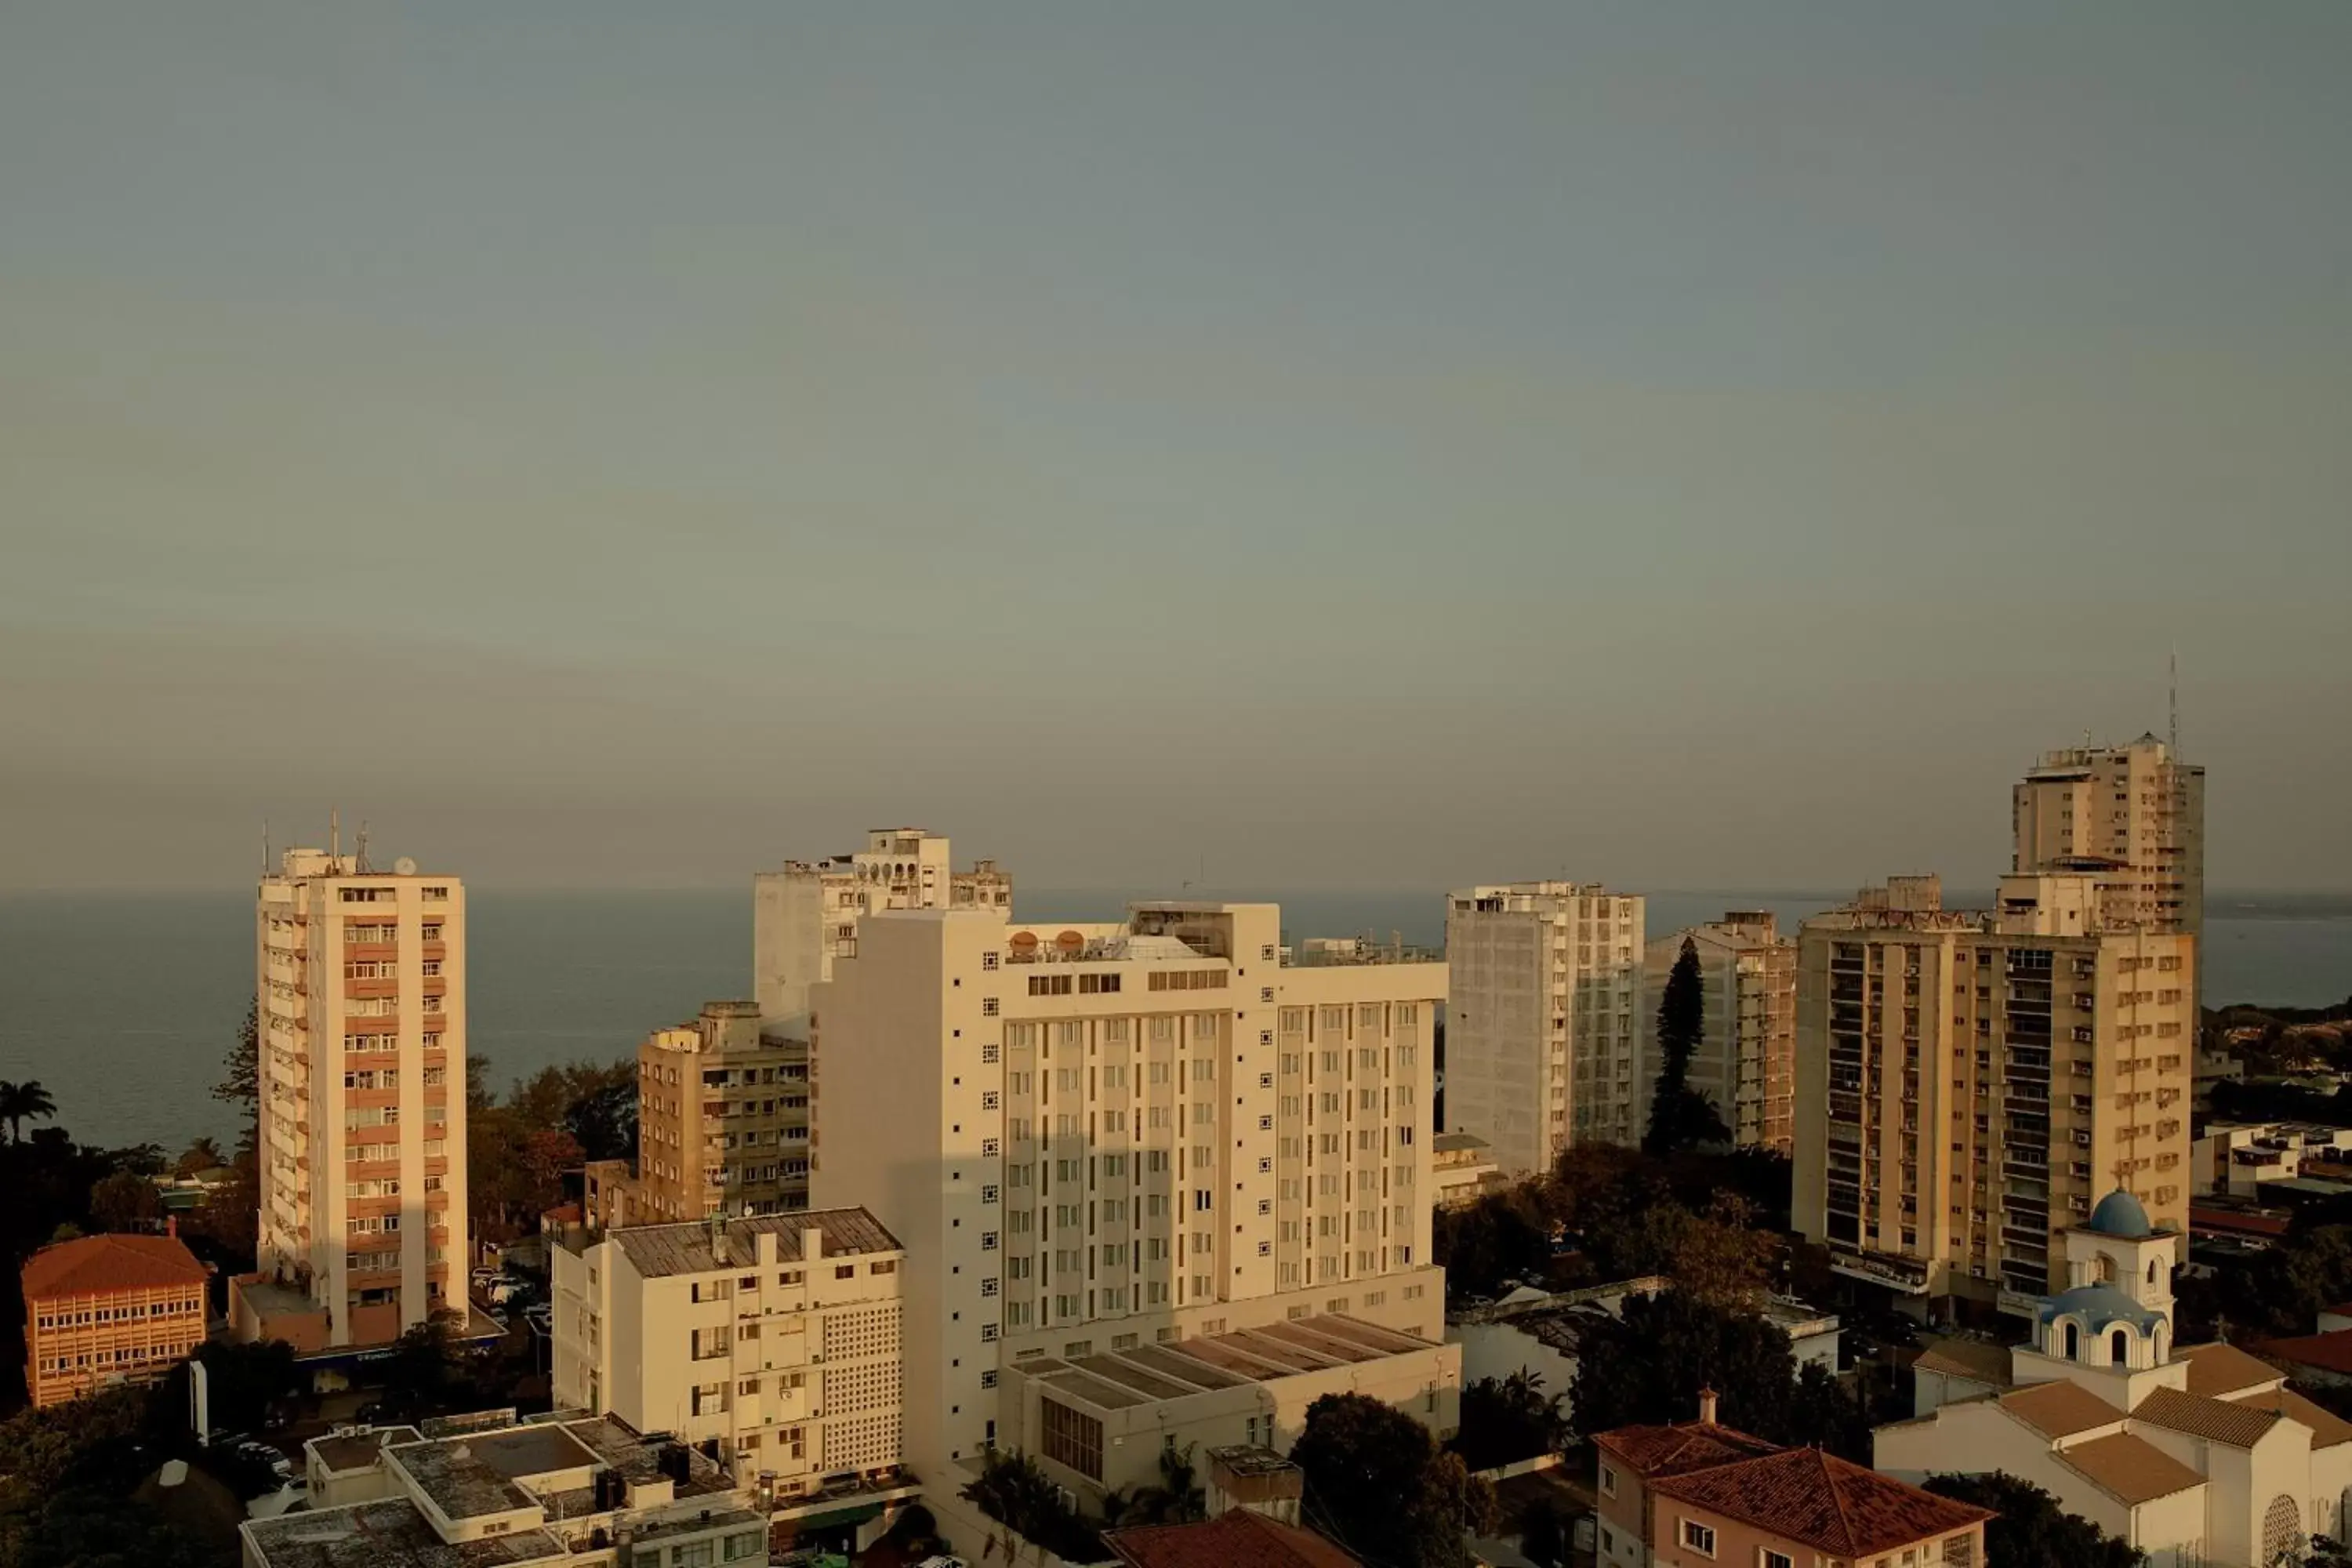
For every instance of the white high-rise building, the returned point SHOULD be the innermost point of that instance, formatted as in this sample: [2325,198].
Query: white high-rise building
[2132,817]
[361,977]
[1543,1025]
[1746,1063]
[806,915]
[1136,1168]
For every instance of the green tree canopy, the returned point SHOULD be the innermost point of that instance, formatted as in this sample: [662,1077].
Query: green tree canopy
[1377,1482]
[1648,1368]
[125,1202]
[1505,1420]
[2028,1525]
[1680,1117]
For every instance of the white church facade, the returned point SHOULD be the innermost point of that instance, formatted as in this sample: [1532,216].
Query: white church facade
[2200,1455]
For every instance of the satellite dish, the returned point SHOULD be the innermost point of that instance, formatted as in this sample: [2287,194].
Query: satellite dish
[403,867]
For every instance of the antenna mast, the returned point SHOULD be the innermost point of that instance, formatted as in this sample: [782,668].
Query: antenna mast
[2173,682]
[335,832]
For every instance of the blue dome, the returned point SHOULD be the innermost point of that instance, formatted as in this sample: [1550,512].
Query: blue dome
[2119,1214]
[2099,1306]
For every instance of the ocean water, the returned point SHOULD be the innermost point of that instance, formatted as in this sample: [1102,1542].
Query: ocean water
[124,1005]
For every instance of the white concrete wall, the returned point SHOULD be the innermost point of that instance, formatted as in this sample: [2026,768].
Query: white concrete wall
[1499,1350]
[1978,1439]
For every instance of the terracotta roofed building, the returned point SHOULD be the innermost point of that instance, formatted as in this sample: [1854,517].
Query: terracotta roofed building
[109,1308]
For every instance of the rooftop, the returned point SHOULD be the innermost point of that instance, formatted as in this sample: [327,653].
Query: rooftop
[1150,1374]
[2131,1470]
[1818,1500]
[376,1534]
[358,1450]
[2060,1409]
[1238,1539]
[1655,1452]
[2215,1420]
[92,1264]
[657,1251]
[479,1474]
[1976,1360]
[2218,1370]
[2330,1352]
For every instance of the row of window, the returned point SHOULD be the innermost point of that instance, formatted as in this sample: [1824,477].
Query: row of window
[89,1315]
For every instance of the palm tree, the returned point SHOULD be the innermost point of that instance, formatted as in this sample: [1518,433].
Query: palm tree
[20,1101]
[204,1154]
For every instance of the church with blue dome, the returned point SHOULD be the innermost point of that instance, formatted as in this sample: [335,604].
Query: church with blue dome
[2199,1455]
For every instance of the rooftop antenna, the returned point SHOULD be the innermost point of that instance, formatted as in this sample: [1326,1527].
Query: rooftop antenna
[360,854]
[265,847]
[335,831]
[2172,670]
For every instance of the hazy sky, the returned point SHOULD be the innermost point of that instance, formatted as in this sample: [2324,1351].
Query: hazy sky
[1344,446]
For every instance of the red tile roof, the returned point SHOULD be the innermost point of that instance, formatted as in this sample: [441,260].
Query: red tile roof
[1812,1499]
[98,1263]
[1653,1451]
[2330,1352]
[1236,1540]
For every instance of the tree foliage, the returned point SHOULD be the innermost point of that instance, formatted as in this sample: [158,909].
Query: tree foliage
[1015,1491]
[1680,1117]
[1648,1368]
[1376,1481]
[23,1103]
[1506,1419]
[1543,1534]
[1177,1498]
[2028,1525]
[429,1372]
[125,1202]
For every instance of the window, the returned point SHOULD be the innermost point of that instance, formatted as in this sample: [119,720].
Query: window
[1777,1558]
[1699,1538]
[1607,1481]
[1073,1438]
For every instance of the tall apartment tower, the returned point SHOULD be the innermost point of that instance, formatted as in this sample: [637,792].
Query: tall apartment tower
[1097,1141]
[722,1119]
[1746,1063]
[1543,1027]
[1968,1082]
[2131,816]
[361,984]
[806,915]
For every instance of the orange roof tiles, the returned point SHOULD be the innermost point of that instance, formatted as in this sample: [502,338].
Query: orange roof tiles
[2217,1370]
[2132,1470]
[2330,1352]
[2328,1428]
[1816,1499]
[2216,1420]
[1653,1451]
[2060,1409]
[94,1264]
[1239,1539]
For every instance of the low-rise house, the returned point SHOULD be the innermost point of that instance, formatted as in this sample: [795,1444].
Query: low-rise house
[1704,1494]
[2198,1455]
[103,1309]
[563,1490]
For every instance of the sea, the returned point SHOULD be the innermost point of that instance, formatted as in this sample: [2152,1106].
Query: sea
[123,1005]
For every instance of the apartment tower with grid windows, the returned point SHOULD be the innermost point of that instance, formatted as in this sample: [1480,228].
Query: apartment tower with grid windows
[361,977]
[1543,1025]
[1969,1082]
[1746,1063]
[1109,1142]
[2131,817]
